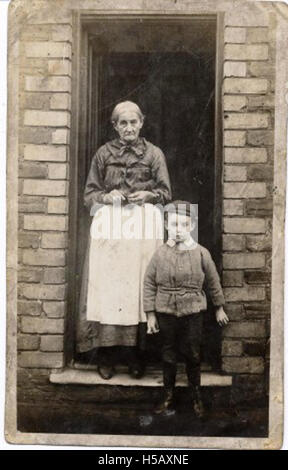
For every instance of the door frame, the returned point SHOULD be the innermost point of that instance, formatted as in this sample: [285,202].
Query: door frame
[81,141]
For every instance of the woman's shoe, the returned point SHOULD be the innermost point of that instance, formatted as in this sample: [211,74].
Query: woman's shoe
[106,372]
[136,370]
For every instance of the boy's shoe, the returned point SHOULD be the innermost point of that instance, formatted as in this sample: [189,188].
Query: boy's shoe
[106,372]
[166,406]
[198,406]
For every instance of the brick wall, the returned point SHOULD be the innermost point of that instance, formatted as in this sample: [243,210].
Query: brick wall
[248,105]
[44,136]
[45,102]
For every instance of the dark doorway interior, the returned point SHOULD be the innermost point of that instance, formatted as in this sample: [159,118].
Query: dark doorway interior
[169,70]
[176,93]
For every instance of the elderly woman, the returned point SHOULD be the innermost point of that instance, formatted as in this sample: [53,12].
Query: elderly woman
[127,175]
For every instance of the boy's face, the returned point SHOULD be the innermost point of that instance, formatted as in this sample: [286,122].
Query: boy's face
[179,226]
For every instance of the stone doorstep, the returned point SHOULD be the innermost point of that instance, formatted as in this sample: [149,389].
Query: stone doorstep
[152,378]
[205,367]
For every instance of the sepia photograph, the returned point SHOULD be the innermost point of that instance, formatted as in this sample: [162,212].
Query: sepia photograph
[146,189]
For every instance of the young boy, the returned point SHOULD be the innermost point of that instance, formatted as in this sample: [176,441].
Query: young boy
[174,301]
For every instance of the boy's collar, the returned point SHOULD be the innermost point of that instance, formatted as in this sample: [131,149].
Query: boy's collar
[189,242]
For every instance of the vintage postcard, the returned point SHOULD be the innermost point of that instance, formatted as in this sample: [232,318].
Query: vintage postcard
[146,182]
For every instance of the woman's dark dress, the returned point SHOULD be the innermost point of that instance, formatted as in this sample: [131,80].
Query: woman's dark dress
[141,167]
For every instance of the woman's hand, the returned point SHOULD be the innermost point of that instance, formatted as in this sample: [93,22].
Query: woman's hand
[152,324]
[221,317]
[114,195]
[140,197]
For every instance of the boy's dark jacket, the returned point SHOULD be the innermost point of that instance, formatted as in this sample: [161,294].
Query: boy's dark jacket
[174,281]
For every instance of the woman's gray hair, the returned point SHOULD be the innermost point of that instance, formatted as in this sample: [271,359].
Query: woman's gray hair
[126,106]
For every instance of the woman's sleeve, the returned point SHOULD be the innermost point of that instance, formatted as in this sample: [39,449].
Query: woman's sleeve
[94,189]
[160,174]
[212,279]
[150,287]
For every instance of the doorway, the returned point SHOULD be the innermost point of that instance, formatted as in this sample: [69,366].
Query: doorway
[169,69]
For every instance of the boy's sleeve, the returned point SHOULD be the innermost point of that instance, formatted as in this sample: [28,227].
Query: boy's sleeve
[150,286]
[212,279]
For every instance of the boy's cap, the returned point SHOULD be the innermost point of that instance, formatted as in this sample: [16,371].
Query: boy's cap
[181,207]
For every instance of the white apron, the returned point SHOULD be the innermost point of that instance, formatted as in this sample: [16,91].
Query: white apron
[122,242]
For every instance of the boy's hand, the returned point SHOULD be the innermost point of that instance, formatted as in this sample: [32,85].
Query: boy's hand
[152,324]
[221,317]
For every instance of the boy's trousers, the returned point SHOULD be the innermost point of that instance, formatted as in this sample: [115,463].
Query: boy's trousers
[181,335]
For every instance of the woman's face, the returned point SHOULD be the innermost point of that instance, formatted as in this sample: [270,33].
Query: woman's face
[128,126]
